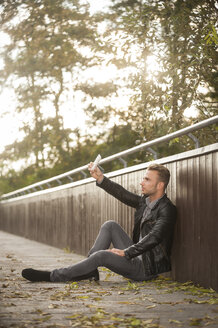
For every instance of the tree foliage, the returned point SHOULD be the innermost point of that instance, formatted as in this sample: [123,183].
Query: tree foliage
[173,33]
[165,55]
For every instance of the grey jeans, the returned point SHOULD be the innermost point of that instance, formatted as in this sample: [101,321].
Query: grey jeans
[110,232]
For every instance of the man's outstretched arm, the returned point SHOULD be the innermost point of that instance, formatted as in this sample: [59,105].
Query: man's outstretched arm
[115,189]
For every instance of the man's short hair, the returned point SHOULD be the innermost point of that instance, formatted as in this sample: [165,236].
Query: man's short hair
[163,172]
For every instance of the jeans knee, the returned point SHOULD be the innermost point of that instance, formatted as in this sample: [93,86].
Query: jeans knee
[109,224]
[99,257]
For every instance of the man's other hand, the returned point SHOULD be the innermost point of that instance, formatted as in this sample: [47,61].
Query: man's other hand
[119,252]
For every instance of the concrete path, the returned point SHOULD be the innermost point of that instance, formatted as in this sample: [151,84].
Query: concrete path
[113,302]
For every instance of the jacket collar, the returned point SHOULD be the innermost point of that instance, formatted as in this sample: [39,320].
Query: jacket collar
[159,200]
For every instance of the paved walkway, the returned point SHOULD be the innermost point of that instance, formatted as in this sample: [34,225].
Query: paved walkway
[113,302]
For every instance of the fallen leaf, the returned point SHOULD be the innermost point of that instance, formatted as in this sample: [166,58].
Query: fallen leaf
[151,306]
[43,319]
[195,321]
[83,297]
[175,321]
[148,321]
[53,306]
[5,285]
[97,299]
[74,316]
[126,302]
[135,322]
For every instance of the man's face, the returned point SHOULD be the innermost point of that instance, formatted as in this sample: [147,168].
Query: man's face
[150,183]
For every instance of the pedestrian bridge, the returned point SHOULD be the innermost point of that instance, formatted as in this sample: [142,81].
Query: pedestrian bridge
[70,215]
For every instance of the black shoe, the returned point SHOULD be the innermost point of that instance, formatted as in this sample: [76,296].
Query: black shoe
[36,275]
[94,275]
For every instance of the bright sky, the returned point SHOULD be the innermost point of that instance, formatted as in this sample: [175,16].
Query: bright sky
[98,5]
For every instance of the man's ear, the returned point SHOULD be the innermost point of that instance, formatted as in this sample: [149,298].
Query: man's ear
[160,185]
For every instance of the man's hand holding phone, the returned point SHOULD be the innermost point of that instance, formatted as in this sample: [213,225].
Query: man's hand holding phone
[94,170]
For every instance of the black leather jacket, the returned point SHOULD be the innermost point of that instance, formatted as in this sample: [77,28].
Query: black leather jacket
[156,231]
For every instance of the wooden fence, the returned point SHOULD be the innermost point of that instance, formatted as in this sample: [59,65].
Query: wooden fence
[71,215]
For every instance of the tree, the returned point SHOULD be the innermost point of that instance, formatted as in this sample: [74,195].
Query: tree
[45,48]
[172,32]
[52,41]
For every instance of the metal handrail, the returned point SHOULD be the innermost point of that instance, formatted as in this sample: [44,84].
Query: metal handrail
[149,144]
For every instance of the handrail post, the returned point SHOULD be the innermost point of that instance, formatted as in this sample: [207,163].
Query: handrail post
[123,162]
[154,153]
[195,139]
